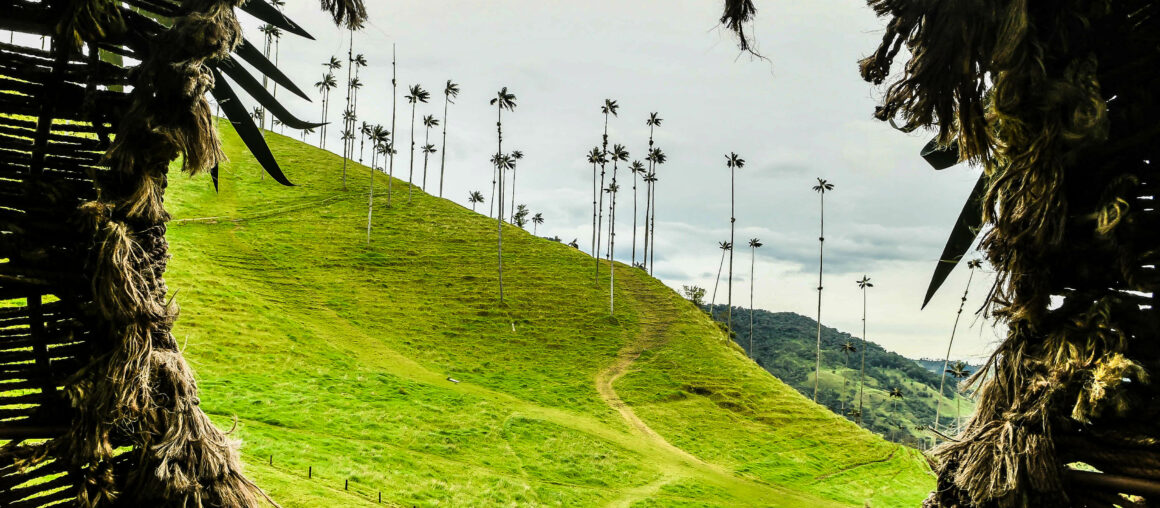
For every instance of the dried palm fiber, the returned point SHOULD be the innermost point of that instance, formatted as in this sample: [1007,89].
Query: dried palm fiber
[1058,101]
[97,405]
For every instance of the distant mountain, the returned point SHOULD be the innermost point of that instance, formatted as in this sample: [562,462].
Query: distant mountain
[784,344]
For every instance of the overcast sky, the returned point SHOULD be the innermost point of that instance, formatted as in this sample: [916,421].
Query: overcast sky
[803,114]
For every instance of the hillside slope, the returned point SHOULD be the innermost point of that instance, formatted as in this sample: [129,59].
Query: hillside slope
[391,367]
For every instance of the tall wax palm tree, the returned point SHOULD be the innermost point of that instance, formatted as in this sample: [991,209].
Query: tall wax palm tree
[734,162]
[346,146]
[302,133]
[348,136]
[379,137]
[517,156]
[332,65]
[847,348]
[618,154]
[653,122]
[724,246]
[537,219]
[365,130]
[429,121]
[611,190]
[754,243]
[649,180]
[972,265]
[959,371]
[270,34]
[608,109]
[324,86]
[863,284]
[502,100]
[417,95]
[358,63]
[394,103]
[636,168]
[595,157]
[659,158]
[895,397]
[821,189]
[450,91]
[475,197]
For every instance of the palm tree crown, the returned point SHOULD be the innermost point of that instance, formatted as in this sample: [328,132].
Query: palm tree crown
[610,107]
[417,94]
[504,99]
[755,243]
[430,121]
[823,186]
[864,282]
[734,161]
[451,91]
[654,120]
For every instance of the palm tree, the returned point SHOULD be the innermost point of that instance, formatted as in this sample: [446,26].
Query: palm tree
[960,372]
[450,91]
[305,132]
[821,189]
[348,135]
[595,157]
[270,33]
[520,218]
[847,348]
[394,103]
[609,108]
[474,197]
[537,219]
[659,158]
[636,168]
[429,121]
[895,397]
[724,246]
[754,243]
[618,154]
[502,100]
[653,122]
[972,265]
[417,95]
[379,138]
[324,86]
[611,190]
[332,65]
[863,284]
[734,162]
[365,130]
[516,157]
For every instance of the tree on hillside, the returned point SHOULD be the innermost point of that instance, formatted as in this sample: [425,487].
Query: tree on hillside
[394,103]
[429,121]
[302,133]
[734,162]
[658,158]
[821,189]
[695,294]
[611,190]
[959,371]
[595,157]
[416,95]
[895,397]
[972,265]
[653,122]
[754,243]
[517,156]
[537,219]
[609,108]
[325,85]
[863,284]
[450,91]
[520,218]
[725,247]
[502,100]
[380,138]
[474,197]
[618,154]
[637,169]
[847,348]
[364,132]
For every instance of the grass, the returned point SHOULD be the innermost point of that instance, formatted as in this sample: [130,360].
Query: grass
[336,355]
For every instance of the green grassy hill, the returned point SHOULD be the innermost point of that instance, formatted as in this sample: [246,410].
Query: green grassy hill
[785,344]
[337,357]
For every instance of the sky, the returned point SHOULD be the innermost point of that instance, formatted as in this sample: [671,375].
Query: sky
[802,114]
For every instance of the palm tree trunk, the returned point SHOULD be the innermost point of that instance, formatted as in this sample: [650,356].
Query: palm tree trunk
[732,221]
[634,214]
[713,301]
[821,243]
[322,128]
[371,199]
[652,249]
[426,141]
[611,244]
[752,281]
[845,381]
[443,155]
[411,172]
[947,359]
[647,194]
[862,377]
[499,216]
[391,149]
[491,202]
[346,142]
[600,215]
[595,190]
[512,218]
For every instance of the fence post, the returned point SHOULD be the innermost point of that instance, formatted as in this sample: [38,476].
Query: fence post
[346,486]
[271,460]
[310,471]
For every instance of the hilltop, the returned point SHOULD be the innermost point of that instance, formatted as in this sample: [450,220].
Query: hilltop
[785,345]
[391,367]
